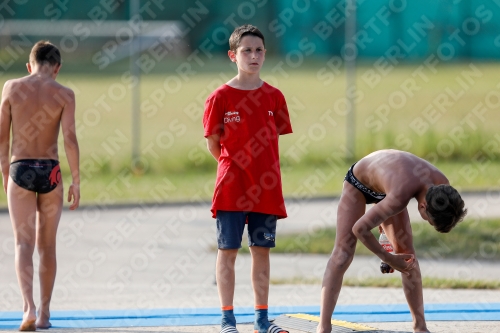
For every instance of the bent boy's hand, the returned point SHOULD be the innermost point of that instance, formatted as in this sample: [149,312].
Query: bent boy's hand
[402,262]
[74,194]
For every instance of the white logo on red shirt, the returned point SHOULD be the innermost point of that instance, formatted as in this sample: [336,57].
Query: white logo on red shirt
[231,116]
[270,113]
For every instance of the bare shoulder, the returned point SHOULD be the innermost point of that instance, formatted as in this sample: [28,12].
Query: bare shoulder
[9,89]
[62,93]
[8,85]
[425,171]
[56,85]
[17,81]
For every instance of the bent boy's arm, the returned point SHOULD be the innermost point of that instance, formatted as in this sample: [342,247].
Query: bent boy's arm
[382,211]
[213,145]
[71,148]
[5,122]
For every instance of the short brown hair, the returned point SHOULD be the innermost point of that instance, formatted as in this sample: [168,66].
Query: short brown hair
[44,52]
[242,31]
[445,207]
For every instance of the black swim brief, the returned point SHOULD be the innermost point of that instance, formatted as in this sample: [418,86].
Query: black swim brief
[41,176]
[370,196]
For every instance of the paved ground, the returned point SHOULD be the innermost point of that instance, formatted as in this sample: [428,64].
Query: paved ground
[434,327]
[158,256]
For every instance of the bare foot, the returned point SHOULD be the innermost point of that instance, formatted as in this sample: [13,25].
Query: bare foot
[43,325]
[323,329]
[43,320]
[28,323]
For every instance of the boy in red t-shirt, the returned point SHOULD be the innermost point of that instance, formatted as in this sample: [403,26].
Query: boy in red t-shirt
[242,121]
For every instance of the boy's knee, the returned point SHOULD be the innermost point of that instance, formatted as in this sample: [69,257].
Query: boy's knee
[228,254]
[260,250]
[341,259]
[25,247]
[260,254]
[45,241]
[45,247]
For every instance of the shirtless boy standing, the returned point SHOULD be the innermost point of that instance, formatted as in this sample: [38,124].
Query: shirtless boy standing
[36,106]
[389,178]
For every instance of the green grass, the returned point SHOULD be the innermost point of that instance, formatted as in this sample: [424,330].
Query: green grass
[470,240]
[463,143]
[109,186]
[478,239]
[427,282]
[395,282]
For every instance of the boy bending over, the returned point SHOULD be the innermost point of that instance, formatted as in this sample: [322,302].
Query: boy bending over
[389,178]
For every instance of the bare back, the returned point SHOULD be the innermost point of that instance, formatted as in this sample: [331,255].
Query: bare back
[36,106]
[397,173]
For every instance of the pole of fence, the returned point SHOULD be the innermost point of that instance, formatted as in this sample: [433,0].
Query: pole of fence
[350,53]
[135,72]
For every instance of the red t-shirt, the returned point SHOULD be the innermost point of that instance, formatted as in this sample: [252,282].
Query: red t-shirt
[248,123]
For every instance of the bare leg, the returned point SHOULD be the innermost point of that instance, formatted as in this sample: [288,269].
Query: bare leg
[412,285]
[49,214]
[225,275]
[260,274]
[351,208]
[398,230]
[22,209]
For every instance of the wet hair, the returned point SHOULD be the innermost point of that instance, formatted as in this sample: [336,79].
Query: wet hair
[242,31]
[44,52]
[445,207]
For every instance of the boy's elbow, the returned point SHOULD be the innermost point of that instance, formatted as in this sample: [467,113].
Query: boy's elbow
[210,150]
[213,146]
[215,152]
[71,143]
[357,230]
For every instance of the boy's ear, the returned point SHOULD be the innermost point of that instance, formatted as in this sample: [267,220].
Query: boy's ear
[56,69]
[28,67]
[232,55]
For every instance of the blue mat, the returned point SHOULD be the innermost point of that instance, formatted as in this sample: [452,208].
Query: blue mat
[211,316]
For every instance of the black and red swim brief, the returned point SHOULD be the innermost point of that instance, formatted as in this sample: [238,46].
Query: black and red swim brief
[37,175]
